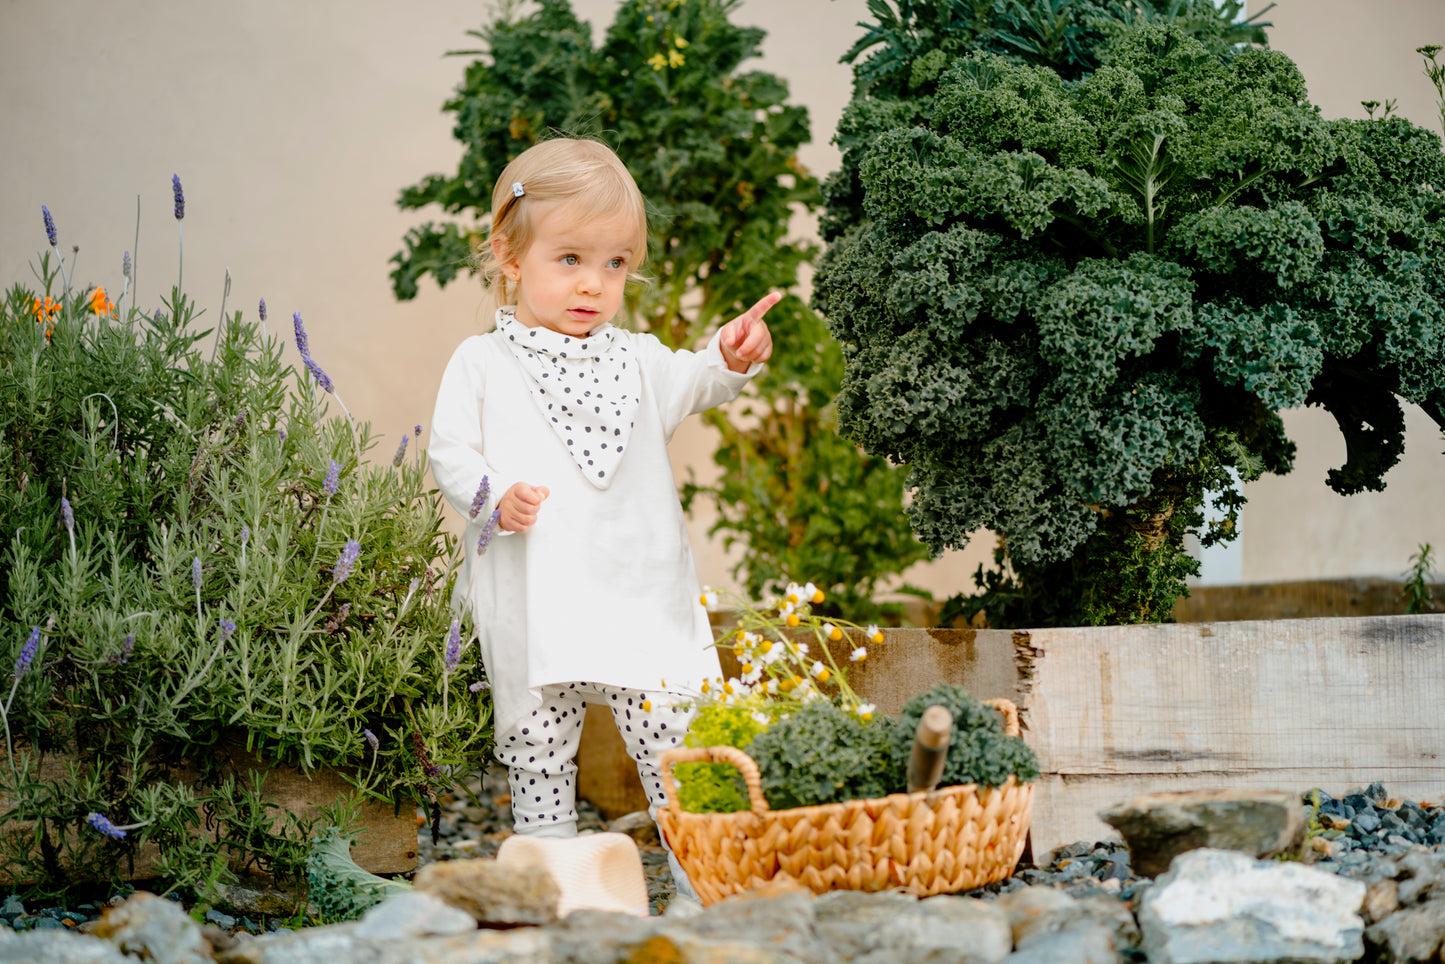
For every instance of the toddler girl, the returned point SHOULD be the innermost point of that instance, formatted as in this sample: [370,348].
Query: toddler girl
[588,593]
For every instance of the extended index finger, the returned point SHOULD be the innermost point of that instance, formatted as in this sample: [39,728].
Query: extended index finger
[767,301]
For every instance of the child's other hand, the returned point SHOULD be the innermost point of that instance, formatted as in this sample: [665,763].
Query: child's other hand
[519,506]
[746,340]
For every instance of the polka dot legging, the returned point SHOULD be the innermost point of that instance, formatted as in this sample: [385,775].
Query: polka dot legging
[539,751]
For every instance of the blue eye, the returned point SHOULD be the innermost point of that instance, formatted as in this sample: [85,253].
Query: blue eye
[616,263]
[570,259]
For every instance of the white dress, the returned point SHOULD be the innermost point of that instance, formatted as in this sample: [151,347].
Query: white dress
[603,588]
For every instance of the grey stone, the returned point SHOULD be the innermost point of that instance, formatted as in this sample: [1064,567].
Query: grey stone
[224,921]
[853,923]
[1421,876]
[597,935]
[779,917]
[943,930]
[156,930]
[414,914]
[339,944]
[1412,934]
[1159,826]
[1039,912]
[491,893]
[262,900]
[57,947]
[13,907]
[639,826]
[1080,942]
[1220,906]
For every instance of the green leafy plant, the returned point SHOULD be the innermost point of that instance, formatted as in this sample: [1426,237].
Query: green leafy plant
[1435,71]
[1073,308]
[979,751]
[1419,596]
[201,580]
[713,148]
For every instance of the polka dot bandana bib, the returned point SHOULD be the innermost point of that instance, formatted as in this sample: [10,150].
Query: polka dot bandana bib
[587,389]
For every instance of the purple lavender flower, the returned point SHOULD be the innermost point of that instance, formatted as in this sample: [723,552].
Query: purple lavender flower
[180,196]
[417,430]
[196,573]
[333,475]
[49,226]
[454,648]
[322,379]
[479,501]
[263,310]
[67,514]
[281,432]
[101,823]
[400,451]
[125,265]
[227,628]
[127,646]
[371,738]
[27,653]
[245,534]
[489,529]
[302,344]
[342,613]
[157,316]
[345,561]
[478,686]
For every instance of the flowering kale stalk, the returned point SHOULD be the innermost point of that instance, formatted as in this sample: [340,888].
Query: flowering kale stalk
[400,451]
[345,561]
[479,501]
[488,531]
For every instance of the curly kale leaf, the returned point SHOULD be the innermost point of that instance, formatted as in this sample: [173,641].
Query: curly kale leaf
[822,754]
[978,751]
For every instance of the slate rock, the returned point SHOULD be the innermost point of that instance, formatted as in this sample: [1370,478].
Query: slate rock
[854,924]
[1413,934]
[413,914]
[493,894]
[779,916]
[154,929]
[1080,942]
[1221,906]
[57,947]
[1160,826]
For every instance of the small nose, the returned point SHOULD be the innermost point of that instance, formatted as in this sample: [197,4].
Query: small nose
[589,281]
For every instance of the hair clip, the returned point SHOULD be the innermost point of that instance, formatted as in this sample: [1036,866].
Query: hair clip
[517,190]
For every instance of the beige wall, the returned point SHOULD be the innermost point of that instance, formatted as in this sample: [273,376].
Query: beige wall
[293,126]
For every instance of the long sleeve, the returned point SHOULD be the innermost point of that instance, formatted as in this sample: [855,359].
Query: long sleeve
[458,449]
[684,383]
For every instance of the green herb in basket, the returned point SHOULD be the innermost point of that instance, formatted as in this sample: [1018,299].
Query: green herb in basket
[979,751]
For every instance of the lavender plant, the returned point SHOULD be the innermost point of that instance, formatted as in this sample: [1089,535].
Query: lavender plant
[201,573]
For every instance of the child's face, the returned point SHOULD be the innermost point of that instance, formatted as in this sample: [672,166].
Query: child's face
[572,276]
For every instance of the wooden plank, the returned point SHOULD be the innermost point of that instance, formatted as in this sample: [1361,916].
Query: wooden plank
[386,844]
[1281,704]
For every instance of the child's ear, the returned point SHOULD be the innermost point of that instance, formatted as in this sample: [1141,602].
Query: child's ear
[502,253]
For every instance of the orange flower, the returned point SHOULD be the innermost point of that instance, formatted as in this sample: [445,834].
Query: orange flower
[100,305]
[44,311]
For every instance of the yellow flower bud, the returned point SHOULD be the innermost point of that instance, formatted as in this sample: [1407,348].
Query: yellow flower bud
[823,675]
[818,596]
[792,619]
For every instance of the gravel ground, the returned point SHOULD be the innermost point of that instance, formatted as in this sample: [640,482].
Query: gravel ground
[1353,835]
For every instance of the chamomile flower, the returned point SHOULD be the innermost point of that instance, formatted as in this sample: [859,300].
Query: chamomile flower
[812,593]
[708,597]
[820,671]
[874,634]
[761,718]
[864,711]
[858,655]
[833,633]
[793,595]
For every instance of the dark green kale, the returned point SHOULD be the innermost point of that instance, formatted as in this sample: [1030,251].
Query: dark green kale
[1072,308]
[979,751]
[823,754]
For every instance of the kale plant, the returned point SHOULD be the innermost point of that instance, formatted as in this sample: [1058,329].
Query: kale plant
[202,579]
[714,149]
[823,753]
[979,751]
[1072,308]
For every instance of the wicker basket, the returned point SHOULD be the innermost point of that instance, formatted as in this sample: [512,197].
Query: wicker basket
[930,842]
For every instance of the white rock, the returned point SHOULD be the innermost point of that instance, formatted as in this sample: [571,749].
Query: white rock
[413,915]
[1224,906]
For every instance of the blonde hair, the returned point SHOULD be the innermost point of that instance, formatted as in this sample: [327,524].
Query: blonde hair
[585,174]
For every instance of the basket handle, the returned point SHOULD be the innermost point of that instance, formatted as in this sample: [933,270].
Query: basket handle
[1009,712]
[711,754]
